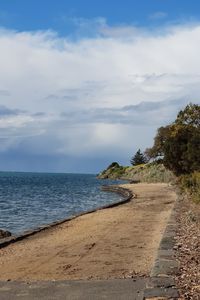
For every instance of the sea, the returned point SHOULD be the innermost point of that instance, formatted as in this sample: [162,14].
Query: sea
[30,200]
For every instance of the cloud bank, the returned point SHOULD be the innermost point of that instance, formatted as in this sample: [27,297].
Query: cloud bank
[91,99]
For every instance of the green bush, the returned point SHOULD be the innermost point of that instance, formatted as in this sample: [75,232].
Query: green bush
[113,165]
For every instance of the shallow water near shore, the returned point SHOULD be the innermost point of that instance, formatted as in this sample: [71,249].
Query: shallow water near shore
[28,200]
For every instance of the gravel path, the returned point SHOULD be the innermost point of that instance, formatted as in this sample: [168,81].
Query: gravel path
[188,250]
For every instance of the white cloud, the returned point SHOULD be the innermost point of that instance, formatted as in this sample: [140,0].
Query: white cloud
[70,95]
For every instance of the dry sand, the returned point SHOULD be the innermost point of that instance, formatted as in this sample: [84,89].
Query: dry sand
[112,243]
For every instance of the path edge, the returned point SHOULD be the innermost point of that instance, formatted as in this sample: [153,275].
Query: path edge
[161,285]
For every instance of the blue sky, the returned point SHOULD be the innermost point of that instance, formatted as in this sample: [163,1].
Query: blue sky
[60,15]
[84,83]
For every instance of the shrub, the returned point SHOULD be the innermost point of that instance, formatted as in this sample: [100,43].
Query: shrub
[113,165]
[191,185]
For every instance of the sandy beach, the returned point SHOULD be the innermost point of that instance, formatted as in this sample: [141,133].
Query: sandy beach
[118,242]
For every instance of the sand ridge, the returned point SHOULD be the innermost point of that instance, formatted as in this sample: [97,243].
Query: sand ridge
[118,242]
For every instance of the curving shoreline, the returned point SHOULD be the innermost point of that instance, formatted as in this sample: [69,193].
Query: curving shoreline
[126,193]
[119,242]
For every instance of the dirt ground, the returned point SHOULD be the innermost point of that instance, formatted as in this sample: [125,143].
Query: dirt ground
[117,242]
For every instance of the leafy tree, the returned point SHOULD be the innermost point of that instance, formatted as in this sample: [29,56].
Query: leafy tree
[138,158]
[177,156]
[189,116]
[179,143]
[157,151]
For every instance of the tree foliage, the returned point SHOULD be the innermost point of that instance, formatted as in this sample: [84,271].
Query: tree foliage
[178,144]
[157,151]
[138,158]
[189,116]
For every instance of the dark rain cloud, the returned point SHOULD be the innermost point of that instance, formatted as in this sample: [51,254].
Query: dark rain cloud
[144,113]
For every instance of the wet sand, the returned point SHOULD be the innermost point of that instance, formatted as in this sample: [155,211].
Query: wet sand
[117,242]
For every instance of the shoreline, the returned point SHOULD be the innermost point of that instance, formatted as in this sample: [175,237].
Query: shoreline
[126,193]
[114,243]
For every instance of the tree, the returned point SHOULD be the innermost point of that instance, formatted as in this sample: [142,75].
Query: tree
[189,116]
[179,143]
[138,158]
[157,151]
[182,149]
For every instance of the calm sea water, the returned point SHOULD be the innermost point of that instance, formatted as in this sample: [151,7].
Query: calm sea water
[28,200]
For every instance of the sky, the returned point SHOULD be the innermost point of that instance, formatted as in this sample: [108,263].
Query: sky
[85,83]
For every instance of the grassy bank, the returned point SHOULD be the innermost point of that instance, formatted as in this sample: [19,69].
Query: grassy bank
[151,172]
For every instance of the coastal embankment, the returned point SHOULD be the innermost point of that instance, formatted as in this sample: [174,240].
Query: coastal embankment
[151,172]
[117,242]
